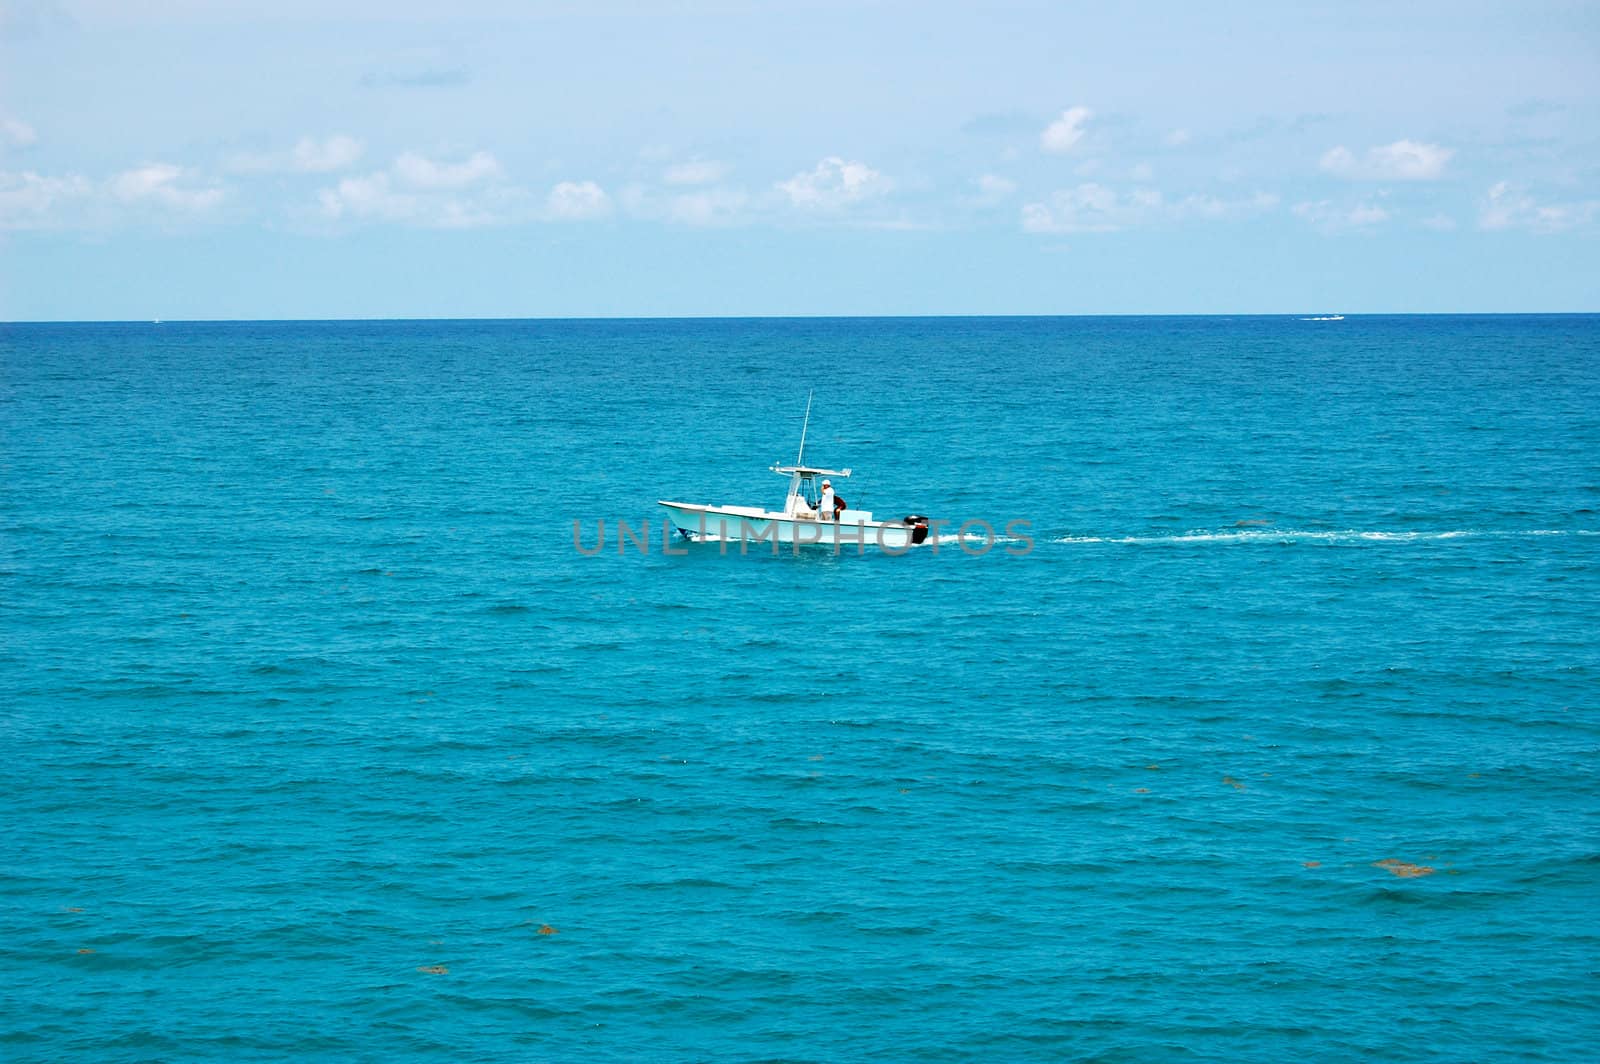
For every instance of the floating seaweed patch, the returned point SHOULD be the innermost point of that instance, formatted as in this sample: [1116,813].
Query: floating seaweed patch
[71,909]
[433,969]
[1141,790]
[86,951]
[546,929]
[1403,869]
[1235,784]
[1311,864]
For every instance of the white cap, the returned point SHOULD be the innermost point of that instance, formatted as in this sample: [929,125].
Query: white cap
[827,483]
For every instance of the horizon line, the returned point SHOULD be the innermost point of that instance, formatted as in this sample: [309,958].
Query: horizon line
[808,317]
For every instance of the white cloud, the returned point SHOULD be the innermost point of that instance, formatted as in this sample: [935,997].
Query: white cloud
[1096,208]
[713,206]
[375,198]
[418,171]
[1333,218]
[30,200]
[34,201]
[1409,160]
[719,205]
[695,172]
[1090,208]
[416,190]
[444,194]
[577,201]
[1141,172]
[15,133]
[1506,206]
[1211,208]
[1065,132]
[834,184]
[1404,160]
[310,155]
[372,196]
[165,185]
[1178,138]
[338,152]
[994,190]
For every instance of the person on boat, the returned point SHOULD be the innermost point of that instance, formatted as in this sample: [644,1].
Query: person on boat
[828,508]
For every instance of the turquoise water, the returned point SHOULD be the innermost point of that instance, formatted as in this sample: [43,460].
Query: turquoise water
[314,718]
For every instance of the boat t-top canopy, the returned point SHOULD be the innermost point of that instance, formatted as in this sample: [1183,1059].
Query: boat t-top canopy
[807,472]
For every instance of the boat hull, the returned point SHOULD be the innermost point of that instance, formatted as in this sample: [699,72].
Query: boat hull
[758,530]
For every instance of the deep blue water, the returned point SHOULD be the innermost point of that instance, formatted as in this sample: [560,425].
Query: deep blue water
[305,691]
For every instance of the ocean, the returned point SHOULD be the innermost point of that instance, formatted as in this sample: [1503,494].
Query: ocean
[1270,730]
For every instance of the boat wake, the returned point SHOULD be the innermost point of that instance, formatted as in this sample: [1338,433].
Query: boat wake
[950,539]
[1346,536]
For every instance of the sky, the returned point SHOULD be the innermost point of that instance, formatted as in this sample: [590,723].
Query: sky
[489,158]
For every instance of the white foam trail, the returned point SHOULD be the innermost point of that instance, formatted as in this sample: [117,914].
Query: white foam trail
[1289,535]
[974,538]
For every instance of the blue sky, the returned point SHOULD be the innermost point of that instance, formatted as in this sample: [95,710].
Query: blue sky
[293,158]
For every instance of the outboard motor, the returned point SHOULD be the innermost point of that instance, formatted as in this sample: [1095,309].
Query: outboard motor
[919,527]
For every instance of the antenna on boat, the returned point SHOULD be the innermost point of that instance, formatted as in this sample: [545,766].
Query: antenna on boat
[804,427]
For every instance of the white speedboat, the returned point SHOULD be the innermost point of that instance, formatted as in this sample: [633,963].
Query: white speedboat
[798,522]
